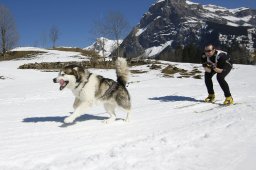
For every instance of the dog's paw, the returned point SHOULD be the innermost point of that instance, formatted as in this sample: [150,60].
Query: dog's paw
[68,120]
[126,120]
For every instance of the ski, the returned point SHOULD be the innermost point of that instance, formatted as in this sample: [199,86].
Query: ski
[186,106]
[217,105]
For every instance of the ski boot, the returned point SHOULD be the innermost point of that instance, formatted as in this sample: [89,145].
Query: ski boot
[210,98]
[228,101]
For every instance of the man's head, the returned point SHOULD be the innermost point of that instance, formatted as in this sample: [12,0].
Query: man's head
[209,50]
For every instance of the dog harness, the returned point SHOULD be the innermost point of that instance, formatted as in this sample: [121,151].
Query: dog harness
[217,56]
[110,89]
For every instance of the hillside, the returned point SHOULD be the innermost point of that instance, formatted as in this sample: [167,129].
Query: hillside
[170,127]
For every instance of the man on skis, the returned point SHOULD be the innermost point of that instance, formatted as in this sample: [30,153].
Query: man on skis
[216,62]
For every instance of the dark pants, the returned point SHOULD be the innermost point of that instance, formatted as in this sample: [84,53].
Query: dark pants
[221,79]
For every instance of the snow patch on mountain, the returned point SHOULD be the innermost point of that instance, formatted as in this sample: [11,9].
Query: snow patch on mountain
[214,8]
[160,1]
[237,19]
[151,52]
[140,31]
[191,3]
[235,10]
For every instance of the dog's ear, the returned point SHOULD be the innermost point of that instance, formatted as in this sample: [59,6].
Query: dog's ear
[77,74]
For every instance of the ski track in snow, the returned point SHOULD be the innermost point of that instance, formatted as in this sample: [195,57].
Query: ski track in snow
[170,127]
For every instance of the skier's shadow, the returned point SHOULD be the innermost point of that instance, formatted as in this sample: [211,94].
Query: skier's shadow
[174,99]
[60,119]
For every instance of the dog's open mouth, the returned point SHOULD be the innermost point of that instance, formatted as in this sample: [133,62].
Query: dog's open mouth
[63,84]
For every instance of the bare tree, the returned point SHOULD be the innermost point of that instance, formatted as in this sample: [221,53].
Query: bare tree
[44,39]
[54,35]
[99,30]
[8,33]
[116,26]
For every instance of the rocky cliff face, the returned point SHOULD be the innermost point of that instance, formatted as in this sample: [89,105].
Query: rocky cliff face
[172,23]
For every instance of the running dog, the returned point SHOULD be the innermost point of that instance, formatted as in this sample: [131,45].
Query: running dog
[89,88]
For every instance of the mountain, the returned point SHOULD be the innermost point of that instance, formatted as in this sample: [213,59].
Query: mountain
[173,24]
[109,46]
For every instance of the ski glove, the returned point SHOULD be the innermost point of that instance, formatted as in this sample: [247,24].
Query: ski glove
[209,65]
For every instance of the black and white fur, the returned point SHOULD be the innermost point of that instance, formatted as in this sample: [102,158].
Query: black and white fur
[89,88]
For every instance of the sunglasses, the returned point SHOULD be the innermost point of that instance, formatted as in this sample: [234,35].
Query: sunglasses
[207,51]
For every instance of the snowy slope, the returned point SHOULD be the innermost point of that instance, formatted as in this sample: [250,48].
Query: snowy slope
[170,127]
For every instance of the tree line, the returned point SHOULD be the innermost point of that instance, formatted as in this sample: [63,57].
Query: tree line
[192,54]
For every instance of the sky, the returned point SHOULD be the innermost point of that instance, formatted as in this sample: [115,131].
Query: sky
[74,18]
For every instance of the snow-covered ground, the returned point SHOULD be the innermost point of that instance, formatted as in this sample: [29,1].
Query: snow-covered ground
[170,128]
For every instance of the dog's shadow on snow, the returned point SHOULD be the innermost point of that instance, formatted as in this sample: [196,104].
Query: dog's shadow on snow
[60,119]
[174,99]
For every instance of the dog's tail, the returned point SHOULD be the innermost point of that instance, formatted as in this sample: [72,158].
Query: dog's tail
[122,71]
